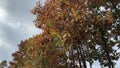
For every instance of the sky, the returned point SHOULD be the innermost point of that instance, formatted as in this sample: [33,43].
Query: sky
[16,24]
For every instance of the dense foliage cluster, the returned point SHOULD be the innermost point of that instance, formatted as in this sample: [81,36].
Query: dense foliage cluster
[3,64]
[74,32]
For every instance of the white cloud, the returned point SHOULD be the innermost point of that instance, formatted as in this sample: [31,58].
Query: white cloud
[3,14]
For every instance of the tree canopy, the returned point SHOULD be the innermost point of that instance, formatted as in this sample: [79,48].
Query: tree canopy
[74,32]
[3,64]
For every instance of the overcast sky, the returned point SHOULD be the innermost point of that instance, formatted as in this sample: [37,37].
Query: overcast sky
[15,25]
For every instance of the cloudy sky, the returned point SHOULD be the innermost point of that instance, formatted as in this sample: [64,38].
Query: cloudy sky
[15,25]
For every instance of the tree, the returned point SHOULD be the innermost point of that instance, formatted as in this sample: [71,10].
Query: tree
[74,32]
[37,52]
[3,64]
[107,28]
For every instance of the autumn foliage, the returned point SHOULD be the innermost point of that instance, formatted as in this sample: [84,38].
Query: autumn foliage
[74,32]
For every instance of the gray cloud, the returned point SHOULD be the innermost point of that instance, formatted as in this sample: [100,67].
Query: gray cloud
[16,26]
[20,9]
[6,51]
[3,3]
[11,36]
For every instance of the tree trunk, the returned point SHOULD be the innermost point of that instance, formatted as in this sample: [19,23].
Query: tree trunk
[73,60]
[83,57]
[78,56]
